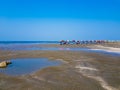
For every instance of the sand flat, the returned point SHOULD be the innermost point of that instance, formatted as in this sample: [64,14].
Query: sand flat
[97,71]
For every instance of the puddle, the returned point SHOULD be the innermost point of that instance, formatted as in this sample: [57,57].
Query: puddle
[27,66]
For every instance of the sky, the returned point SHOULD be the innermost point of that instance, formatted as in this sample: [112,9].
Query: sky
[43,20]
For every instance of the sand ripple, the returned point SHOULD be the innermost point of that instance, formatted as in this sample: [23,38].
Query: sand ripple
[91,72]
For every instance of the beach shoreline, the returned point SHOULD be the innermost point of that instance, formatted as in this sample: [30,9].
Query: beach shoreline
[77,70]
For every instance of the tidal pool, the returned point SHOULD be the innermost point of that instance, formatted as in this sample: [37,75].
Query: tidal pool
[27,66]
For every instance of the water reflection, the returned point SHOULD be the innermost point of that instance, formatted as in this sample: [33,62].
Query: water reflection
[27,66]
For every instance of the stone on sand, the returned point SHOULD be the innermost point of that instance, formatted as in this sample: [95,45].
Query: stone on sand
[4,64]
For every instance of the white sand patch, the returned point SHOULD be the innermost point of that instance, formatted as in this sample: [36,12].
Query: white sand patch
[42,79]
[107,49]
[86,68]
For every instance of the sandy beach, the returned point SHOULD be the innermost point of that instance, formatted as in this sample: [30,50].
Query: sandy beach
[59,44]
[79,70]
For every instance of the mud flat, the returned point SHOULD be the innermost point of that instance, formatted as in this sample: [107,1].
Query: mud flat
[80,70]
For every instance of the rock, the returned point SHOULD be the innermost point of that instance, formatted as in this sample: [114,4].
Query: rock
[4,64]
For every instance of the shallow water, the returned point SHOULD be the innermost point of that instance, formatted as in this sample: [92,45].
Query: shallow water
[16,47]
[27,66]
[75,49]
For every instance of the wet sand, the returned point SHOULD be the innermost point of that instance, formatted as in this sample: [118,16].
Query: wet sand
[79,71]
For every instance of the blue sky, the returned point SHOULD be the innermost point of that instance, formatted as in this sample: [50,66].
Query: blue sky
[59,19]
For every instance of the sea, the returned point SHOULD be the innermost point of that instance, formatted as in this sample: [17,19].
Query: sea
[28,42]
